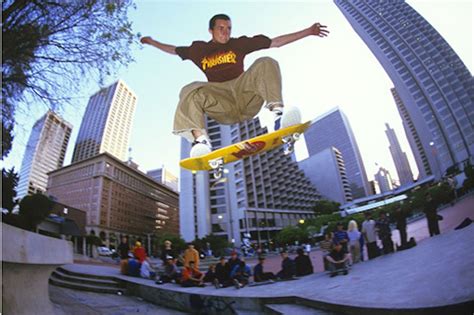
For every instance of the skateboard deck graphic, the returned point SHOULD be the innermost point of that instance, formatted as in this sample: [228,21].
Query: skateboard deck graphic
[234,152]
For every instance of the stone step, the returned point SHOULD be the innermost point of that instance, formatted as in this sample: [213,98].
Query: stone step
[85,287]
[58,274]
[293,309]
[83,275]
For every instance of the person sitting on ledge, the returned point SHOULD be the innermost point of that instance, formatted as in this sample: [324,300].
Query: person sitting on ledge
[210,274]
[303,265]
[222,279]
[134,267]
[170,273]
[240,274]
[191,276]
[258,274]
[287,267]
[338,260]
[146,270]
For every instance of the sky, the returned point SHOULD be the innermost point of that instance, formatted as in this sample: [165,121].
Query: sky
[318,73]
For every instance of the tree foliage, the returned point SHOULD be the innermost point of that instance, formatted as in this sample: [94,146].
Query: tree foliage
[50,48]
[326,206]
[35,208]
[9,182]
[218,244]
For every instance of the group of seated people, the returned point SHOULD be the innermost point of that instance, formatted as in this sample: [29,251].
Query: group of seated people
[234,271]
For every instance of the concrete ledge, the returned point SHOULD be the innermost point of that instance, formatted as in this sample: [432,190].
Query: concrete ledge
[28,259]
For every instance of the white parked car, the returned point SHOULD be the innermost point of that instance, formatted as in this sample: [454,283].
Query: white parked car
[104,251]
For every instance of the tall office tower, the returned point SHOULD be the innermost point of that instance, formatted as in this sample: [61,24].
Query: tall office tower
[399,158]
[165,177]
[431,80]
[327,172]
[384,180]
[332,129]
[421,159]
[107,123]
[44,153]
[259,195]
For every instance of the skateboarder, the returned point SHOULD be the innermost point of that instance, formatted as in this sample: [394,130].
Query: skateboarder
[231,94]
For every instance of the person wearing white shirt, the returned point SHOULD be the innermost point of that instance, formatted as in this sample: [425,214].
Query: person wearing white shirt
[370,235]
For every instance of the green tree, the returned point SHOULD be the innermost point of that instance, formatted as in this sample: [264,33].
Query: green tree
[50,48]
[178,244]
[469,181]
[326,207]
[34,209]
[9,182]
[218,244]
[290,234]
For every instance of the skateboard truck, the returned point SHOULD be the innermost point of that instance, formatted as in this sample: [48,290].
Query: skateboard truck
[217,166]
[289,142]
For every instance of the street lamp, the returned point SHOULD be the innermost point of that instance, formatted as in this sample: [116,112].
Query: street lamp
[301,221]
[435,155]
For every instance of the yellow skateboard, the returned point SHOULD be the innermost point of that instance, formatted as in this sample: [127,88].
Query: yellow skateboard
[216,159]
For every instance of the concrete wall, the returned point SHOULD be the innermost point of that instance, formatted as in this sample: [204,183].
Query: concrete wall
[28,259]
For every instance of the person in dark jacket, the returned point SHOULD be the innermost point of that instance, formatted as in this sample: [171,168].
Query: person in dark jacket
[431,215]
[287,267]
[258,273]
[222,279]
[303,265]
[123,251]
[400,218]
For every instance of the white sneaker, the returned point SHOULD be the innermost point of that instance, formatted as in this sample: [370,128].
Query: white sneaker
[291,116]
[200,147]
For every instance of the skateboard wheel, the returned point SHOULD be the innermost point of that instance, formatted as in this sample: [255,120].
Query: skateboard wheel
[286,139]
[214,164]
[217,175]
[296,136]
[288,150]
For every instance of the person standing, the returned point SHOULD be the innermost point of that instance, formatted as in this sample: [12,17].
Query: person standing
[123,250]
[431,214]
[370,237]
[167,251]
[385,233]
[354,241]
[400,217]
[191,254]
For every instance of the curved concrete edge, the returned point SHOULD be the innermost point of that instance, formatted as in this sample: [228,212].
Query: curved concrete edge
[28,259]
[213,304]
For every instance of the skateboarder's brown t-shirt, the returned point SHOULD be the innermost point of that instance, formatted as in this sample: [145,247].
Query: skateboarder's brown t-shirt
[223,62]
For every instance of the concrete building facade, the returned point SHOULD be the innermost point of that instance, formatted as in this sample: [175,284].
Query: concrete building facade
[118,199]
[44,153]
[384,180]
[258,196]
[107,123]
[327,172]
[435,86]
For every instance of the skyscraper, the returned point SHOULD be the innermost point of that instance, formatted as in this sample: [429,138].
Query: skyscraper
[107,123]
[399,157]
[164,176]
[432,81]
[258,196]
[332,129]
[44,153]
[384,180]
[327,172]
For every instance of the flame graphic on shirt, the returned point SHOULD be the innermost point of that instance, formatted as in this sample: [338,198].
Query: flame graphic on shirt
[209,62]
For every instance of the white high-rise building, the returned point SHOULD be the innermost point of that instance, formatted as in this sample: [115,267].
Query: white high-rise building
[107,123]
[433,83]
[164,176]
[44,153]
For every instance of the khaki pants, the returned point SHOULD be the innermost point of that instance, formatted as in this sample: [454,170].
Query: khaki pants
[228,102]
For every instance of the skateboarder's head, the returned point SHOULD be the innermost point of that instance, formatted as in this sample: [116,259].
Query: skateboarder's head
[220,28]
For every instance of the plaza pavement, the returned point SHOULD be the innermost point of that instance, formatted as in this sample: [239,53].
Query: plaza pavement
[438,272]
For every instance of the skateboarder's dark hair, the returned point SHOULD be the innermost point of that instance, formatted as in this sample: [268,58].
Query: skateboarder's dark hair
[212,21]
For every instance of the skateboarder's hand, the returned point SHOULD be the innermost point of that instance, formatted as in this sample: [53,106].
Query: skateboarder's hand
[319,30]
[146,40]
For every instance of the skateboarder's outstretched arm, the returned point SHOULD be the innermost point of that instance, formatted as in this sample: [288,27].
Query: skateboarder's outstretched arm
[170,49]
[316,29]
